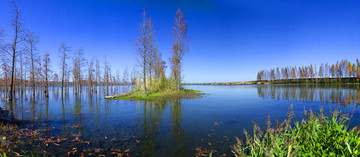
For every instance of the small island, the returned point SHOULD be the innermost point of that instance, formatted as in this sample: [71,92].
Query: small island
[137,94]
[151,83]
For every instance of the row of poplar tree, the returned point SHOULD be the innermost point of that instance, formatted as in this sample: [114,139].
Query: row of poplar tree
[342,69]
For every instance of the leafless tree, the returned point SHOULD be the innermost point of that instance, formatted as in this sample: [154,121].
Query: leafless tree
[4,61]
[31,40]
[63,50]
[16,24]
[118,81]
[46,72]
[78,61]
[152,48]
[97,74]
[125,76]
[106,75]
[55,79]
[133,76]
[91,75]
[142,47]
[180,46]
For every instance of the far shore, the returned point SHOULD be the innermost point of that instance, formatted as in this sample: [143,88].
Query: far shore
[345,80]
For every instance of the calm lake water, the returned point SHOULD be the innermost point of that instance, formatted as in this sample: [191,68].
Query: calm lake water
[172,128]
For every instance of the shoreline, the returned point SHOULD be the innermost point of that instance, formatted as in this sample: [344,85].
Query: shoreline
[329,81]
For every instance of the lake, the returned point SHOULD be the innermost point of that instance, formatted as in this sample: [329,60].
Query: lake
[170,128]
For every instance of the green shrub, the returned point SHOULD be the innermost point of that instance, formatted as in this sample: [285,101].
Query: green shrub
[161,84]
[317,135]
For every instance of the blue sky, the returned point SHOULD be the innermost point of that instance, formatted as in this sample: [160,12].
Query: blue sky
[229,40]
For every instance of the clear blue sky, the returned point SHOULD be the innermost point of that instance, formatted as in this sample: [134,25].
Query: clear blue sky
[230,40]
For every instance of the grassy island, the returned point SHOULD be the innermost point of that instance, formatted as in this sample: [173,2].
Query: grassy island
[158,89]
[137,94]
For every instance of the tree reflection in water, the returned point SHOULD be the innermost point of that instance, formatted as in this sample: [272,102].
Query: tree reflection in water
[342,95]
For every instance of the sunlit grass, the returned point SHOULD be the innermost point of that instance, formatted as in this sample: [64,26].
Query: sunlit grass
[160,95]
[317,135]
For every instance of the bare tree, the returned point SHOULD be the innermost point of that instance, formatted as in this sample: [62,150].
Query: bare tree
[78,61]
[180,46]
[152,48]
[125,76]
[4,62]
[63,50]
[133,76]
[21,60]
[142,47]
[16,24]
[46,72]
[97,74]
[55,79]
[118,81]
[91,74]
[39,73]
[31,40]
[106,75]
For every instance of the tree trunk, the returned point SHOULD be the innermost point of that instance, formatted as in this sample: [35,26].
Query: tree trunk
[12,75]
[144,70]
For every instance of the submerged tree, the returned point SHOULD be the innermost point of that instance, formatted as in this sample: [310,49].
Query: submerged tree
[97,74]
[63,50]
[91,71]
[180,46]
[4,61]
[16,24]
[31,40]
[78,62]
[46,72]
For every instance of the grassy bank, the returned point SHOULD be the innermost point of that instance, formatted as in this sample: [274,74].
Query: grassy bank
[137,94]
[317,135]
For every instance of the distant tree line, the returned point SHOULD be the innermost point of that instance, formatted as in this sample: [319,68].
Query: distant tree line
[23,65]
[325,73]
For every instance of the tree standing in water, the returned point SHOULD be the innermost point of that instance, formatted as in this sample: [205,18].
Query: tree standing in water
[63,56]
[16,24]
[46,73]
[31,40]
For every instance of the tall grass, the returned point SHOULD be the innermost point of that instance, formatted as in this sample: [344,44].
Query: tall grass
[161,84]
[316,135]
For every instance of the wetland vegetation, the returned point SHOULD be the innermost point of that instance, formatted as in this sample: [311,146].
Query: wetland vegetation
[316,135]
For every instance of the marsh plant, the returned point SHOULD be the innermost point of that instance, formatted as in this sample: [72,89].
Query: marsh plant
[316,135]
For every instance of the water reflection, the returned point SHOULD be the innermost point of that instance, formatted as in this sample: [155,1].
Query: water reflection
[341,95]
[163,128]
[142,127]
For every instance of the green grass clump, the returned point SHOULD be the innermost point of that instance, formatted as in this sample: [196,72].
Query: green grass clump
[137,94]
[159,89]
[317,135]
